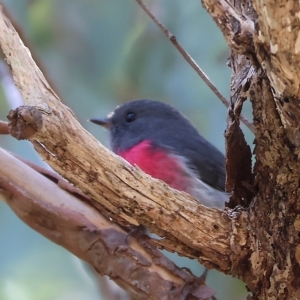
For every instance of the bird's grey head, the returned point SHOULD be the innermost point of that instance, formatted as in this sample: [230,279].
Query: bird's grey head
[139,120]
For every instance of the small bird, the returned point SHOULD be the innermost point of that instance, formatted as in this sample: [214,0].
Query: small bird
[164,144]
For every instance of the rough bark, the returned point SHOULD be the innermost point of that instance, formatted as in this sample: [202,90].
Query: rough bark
[269,76]
[120,191]
[78,227]
[260,243]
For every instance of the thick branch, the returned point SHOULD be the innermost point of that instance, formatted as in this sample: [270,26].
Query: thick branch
[191,62]
[79,228]
[129,194]
[278,44]
[123,192]
[278,51]
[237,28]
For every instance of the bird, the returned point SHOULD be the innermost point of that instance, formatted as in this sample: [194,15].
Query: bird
[158,139]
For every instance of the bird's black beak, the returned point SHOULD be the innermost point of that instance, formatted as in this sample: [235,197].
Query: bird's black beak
[103,122]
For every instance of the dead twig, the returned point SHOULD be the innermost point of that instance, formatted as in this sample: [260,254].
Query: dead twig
[191,62]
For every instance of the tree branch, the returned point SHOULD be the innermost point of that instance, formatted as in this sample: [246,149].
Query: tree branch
[278,50]
[79,228]
[279,35]
[274,45]
[191,62]
[120,190]
[237,28]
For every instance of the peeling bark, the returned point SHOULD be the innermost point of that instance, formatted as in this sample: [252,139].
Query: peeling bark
[121,191]
[271,269]
[259,242]
[236,25]
[134,265]
[278,51]
[274,237]
[239,177]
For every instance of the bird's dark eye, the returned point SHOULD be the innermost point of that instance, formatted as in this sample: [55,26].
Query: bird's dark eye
[130,117]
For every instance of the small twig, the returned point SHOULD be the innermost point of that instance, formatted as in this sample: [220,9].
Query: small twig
[4,128]
[191,62]
[247,123]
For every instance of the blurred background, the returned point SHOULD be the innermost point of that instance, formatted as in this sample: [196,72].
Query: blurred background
[98,54]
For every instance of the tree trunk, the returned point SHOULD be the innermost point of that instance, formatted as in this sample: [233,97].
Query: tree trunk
[264,39]
[257,241]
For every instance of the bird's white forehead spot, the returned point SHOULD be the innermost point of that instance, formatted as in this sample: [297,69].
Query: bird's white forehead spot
[110,115]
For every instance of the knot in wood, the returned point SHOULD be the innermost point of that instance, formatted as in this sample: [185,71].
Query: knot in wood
[24,122]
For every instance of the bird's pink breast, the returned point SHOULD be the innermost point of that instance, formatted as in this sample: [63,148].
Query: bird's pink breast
[159,164]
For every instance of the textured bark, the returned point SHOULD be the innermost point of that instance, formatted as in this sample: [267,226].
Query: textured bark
[258,243]
[238,28]
[77,226]
[123,192]
[239,178]
[275,211]
[120,191]
[270,78]
[278,50]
